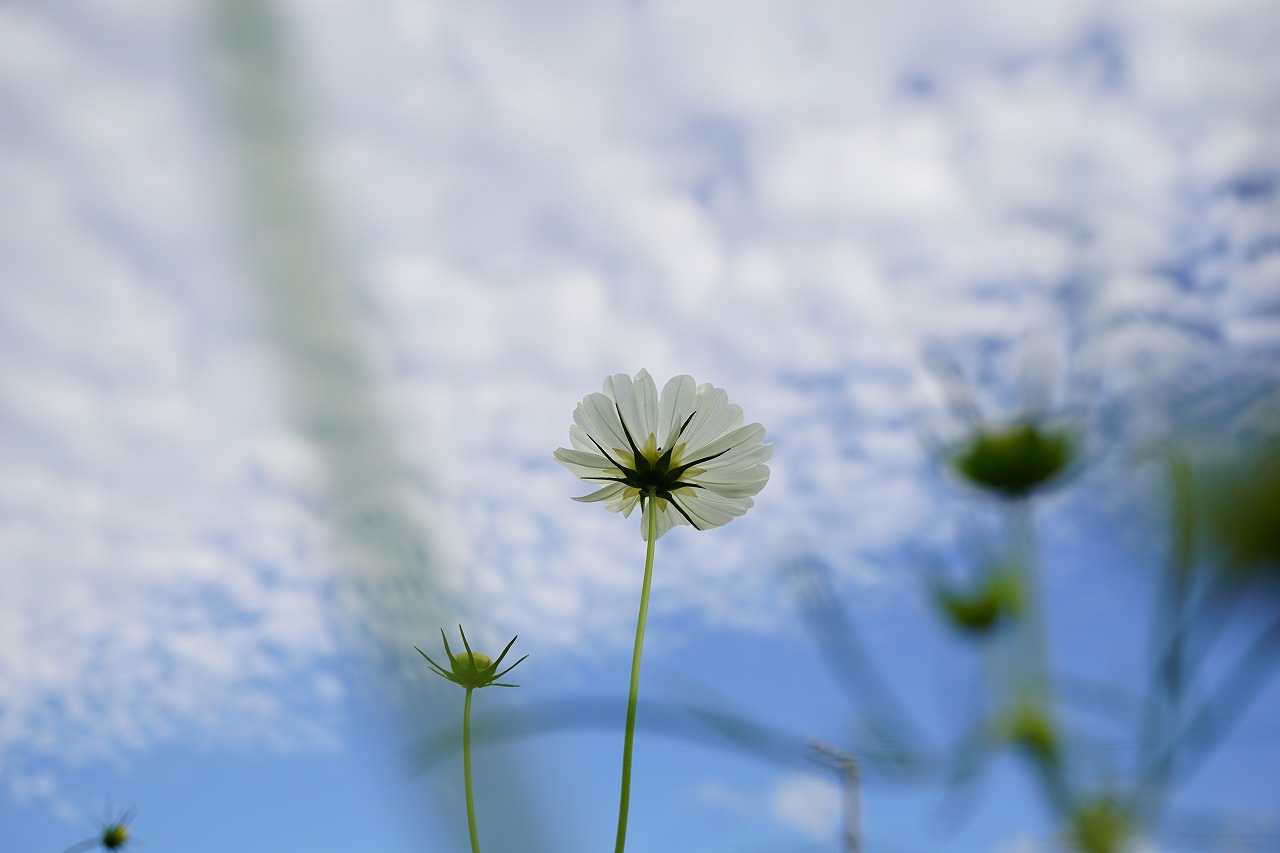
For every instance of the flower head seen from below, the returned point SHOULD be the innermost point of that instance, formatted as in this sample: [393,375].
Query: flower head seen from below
[471,669]
[1013,455]
[1016,460]
[114,835]
[686,447]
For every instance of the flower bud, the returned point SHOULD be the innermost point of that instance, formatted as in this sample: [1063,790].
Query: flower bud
[997,599]
[1099,825]
[1030,729]
[470,663]
[471,669]
[1016,460]
[115,836]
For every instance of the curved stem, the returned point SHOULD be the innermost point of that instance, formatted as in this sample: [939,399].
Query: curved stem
[629,737]
[466,773]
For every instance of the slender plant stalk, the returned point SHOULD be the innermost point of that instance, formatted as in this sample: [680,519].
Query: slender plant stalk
[1033,672]
[1170,672]
[466,773]
[629,737]
[1033,678]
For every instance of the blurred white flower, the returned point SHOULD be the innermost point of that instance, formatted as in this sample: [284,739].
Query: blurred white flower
[687,447]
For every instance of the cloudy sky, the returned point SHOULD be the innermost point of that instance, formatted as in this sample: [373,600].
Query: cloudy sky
[292,291]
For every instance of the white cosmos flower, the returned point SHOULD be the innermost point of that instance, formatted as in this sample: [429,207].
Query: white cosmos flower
[687,445]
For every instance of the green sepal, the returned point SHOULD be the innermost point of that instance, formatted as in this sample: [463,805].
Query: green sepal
[471,669]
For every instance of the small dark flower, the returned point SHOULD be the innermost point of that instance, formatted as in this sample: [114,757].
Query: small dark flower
[995,600]
[1100,825]
[471,669]
[1015,460]
[1030,729]
[114,835]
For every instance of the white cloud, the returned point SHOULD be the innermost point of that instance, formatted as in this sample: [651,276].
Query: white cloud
[805,802]
[809,803]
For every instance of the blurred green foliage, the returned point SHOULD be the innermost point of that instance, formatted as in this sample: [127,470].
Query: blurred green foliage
[1240,503]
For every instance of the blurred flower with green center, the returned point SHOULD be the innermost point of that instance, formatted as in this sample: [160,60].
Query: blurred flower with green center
[1100,825]
[1015,460]
[687,447]
[1009,453]
[993,601]
[113,836]
[1029,728]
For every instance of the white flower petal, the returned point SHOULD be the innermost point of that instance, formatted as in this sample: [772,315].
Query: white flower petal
[609,492]
[739,459]
[678,402]
[737,490]
[630,499]
[716,416]
[600,421]
[734,476]
[668,517]
[630,396]
[734,506]
[647,404]
[723,449]
[584,459]
[579,437]
[711,512]
[591,475]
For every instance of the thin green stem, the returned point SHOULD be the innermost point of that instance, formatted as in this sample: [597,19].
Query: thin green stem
[629,737]
[1033,673]
[1171,670]
[466,773]
[1037,679]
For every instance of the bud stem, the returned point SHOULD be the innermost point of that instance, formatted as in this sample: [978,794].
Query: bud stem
[466,773]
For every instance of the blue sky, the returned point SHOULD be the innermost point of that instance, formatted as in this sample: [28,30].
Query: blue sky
[241,483]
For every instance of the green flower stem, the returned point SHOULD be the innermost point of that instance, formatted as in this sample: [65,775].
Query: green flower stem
[1169,642]
[1034,676]
[629,737]
[466,773]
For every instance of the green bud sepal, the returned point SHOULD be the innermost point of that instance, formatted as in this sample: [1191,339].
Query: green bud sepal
[471,669]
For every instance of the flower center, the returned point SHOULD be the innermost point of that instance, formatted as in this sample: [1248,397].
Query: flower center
[115,836]
[653,468]
[653,471]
